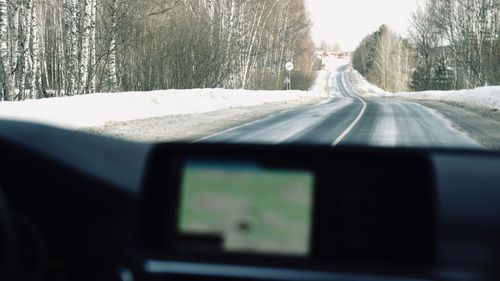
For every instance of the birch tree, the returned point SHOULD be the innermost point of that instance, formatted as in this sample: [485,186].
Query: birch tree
[4,56]
[14,44]
[92,47]
[384,58]
[85,49]
[69,47]
[24,45]
[35,76]
[71,56]
[111,76]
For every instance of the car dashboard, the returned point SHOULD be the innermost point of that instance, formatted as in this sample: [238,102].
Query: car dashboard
[77,206]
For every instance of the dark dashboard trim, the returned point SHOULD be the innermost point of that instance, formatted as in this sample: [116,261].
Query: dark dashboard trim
[167,267]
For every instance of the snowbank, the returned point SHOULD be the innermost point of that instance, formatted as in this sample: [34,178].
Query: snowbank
[485,96]
[97,109]
[320,87]
[488,97]
[364,87]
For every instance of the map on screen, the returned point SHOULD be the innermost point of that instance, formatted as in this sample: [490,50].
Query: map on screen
[251,209]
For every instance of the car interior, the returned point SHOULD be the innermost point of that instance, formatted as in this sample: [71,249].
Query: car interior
[77,206]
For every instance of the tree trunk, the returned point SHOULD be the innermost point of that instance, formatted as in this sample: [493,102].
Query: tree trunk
[14,53]
[112,79]
[71,60]
[35,78]
[92,65]
[85,50]
[4,55]
[24,40]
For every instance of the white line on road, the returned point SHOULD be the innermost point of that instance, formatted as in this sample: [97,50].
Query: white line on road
[241,126]
[351,126]
[349,129]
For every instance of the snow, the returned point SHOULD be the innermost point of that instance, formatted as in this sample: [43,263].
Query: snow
[365,88]
[488,96]
[320,87]
[334,66]
[97,109]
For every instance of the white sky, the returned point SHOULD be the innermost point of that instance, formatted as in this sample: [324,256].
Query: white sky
[347,21]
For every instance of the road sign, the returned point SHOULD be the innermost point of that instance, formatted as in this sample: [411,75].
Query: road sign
[289,66]
[287,80]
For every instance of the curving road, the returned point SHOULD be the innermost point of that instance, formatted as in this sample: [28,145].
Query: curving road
[349,119]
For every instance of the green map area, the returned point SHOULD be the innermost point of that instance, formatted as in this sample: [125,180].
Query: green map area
[254,210]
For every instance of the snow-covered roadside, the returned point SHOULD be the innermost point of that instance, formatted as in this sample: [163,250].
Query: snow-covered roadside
[98,109]
[189,127]
[320,87]
[365,88]
[487,97]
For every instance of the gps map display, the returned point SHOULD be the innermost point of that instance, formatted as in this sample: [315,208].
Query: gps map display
[248,208]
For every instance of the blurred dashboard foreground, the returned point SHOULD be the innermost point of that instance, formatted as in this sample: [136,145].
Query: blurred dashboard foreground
[75,206]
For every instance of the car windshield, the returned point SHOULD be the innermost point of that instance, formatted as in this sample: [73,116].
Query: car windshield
[407,73]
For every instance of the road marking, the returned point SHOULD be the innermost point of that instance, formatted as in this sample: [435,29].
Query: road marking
[341,137]
[336,142]
[256,121]
[241,126]
[351,126]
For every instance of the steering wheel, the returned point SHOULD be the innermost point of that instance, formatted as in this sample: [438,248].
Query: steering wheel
[9,265]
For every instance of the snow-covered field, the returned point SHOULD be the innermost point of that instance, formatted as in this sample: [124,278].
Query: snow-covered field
[97,109]
[488,97]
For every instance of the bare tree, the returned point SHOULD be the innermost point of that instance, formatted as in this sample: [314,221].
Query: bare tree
[4,55]
[470,30]
[14,44]
[92,48]
[385,59]
[112,78]
[85,47]
[70,47]
[35,75]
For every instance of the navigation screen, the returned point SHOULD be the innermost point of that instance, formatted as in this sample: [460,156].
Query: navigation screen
[242,208]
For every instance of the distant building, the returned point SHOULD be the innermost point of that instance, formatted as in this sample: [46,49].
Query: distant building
[328,54]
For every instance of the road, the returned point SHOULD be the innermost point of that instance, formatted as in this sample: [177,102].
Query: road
[350,119]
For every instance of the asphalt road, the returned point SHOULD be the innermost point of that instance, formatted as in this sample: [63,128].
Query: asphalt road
[349,119]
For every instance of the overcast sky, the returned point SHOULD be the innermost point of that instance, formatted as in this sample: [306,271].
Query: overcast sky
[347,21]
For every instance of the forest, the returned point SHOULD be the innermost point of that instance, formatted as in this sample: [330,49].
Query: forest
[451,44]
[51,48]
